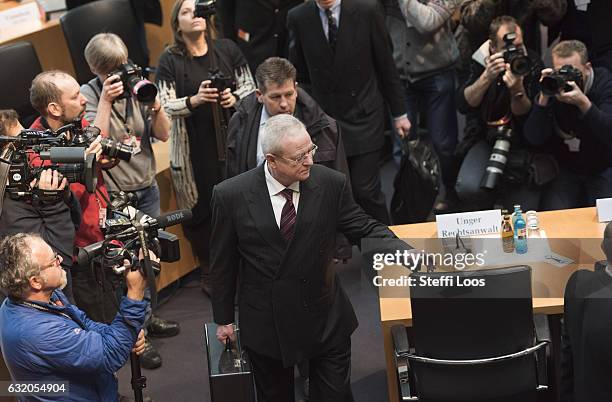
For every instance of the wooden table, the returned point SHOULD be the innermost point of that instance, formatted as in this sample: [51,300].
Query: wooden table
[567,225]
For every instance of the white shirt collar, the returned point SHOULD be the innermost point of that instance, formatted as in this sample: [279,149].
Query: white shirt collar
[264,116]
[333,8]
[274,186]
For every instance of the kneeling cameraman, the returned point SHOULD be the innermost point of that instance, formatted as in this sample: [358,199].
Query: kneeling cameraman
[45,338]
[572,118]
[496,98]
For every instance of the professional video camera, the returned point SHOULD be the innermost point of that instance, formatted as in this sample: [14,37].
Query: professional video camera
[70,162]
[205,8]
[135,84]
[520,64]
[84,136]
[126,234]
[557,81]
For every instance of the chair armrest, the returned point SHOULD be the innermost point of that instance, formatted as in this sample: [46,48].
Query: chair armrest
[400,340]
[473,362]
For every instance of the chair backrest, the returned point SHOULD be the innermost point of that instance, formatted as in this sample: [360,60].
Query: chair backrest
[82,23]
[19,65]
[455,322]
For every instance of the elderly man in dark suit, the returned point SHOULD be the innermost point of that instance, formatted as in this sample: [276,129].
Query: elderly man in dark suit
[342,53]
[274,226]
[257,26]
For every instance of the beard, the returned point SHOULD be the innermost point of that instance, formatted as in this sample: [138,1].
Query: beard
[63,280]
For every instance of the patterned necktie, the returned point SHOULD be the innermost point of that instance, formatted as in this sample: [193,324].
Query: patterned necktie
[288,215]
[332,33]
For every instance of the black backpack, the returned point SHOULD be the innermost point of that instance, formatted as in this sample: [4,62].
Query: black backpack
[416,183]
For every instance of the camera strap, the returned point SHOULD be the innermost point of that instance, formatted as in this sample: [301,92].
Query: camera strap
[4,170]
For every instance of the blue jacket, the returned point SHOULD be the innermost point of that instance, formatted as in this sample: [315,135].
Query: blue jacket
[43,346]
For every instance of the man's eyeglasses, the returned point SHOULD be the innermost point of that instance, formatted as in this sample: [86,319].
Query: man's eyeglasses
[57,260]
[301,158]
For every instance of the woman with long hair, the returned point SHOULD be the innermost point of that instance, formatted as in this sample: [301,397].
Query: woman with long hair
[186,93]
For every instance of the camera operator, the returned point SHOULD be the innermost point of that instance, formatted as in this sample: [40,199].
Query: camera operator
[131,118]
[45,337]
[496,100]
[9,123]
[572,118]
[55,95]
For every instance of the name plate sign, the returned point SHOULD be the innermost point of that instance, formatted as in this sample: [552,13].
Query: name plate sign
[467,224]
[20,20]
[604,209]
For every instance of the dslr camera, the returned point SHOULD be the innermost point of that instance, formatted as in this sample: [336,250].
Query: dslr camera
[557,81]
[520,64]
[135,84]
[205,8]
[84,136]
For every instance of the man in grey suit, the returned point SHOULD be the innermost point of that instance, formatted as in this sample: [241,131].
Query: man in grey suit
[342,53]
[275,228]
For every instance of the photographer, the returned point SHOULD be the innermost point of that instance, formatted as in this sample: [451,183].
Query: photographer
[44,337]
[572,119]
[496,99]
[186,93]
[116,109]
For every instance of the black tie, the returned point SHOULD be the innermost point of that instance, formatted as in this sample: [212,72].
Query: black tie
[332,33]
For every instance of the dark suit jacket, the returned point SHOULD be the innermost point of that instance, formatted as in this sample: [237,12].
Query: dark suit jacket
[264,23]
[291,304]
[586,359]
[243,131]
[346,83]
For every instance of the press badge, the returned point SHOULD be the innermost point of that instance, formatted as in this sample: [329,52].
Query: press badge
[573,144]
[244,35]
[102,217]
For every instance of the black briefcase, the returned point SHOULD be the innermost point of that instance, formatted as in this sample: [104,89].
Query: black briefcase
[229,370]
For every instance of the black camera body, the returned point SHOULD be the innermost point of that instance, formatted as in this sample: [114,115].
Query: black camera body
[220,81]
[135,84]
[84,136]
[558,80]
[70,162]
[205,8]
[520,64]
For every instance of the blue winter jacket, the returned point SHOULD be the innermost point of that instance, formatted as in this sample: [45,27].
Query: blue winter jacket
[44,346]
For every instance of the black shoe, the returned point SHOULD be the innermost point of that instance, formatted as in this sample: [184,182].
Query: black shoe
[160,328]
[150,358]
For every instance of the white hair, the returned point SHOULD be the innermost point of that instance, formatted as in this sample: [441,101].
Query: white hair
[277,129]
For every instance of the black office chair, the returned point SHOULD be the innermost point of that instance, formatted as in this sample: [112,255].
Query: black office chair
[19,65]
[474,343]
[116,16]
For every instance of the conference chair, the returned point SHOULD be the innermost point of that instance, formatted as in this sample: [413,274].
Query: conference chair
[471,343]
[19,65]
[116,16]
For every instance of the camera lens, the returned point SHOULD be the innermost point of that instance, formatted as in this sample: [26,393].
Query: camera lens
[114,149]
[552,84]
[520,65]
[145,91]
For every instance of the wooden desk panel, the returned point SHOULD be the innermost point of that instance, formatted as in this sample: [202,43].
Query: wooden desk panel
[570,224]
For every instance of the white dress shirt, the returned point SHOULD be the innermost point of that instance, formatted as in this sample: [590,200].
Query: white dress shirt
[278,200]
[335,9]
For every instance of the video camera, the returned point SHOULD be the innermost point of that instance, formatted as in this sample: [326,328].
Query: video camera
[558,80]
[205,8]
[520,64]
[70,162]
[127,233]
[84,136]
[135,84]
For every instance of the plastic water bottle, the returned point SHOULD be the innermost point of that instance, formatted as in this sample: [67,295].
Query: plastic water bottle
[520,234]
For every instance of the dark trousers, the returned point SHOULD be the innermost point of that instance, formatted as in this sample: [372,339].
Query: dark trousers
[199,237]
[365,180]
[572,190]
[330,376]
[434,96]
